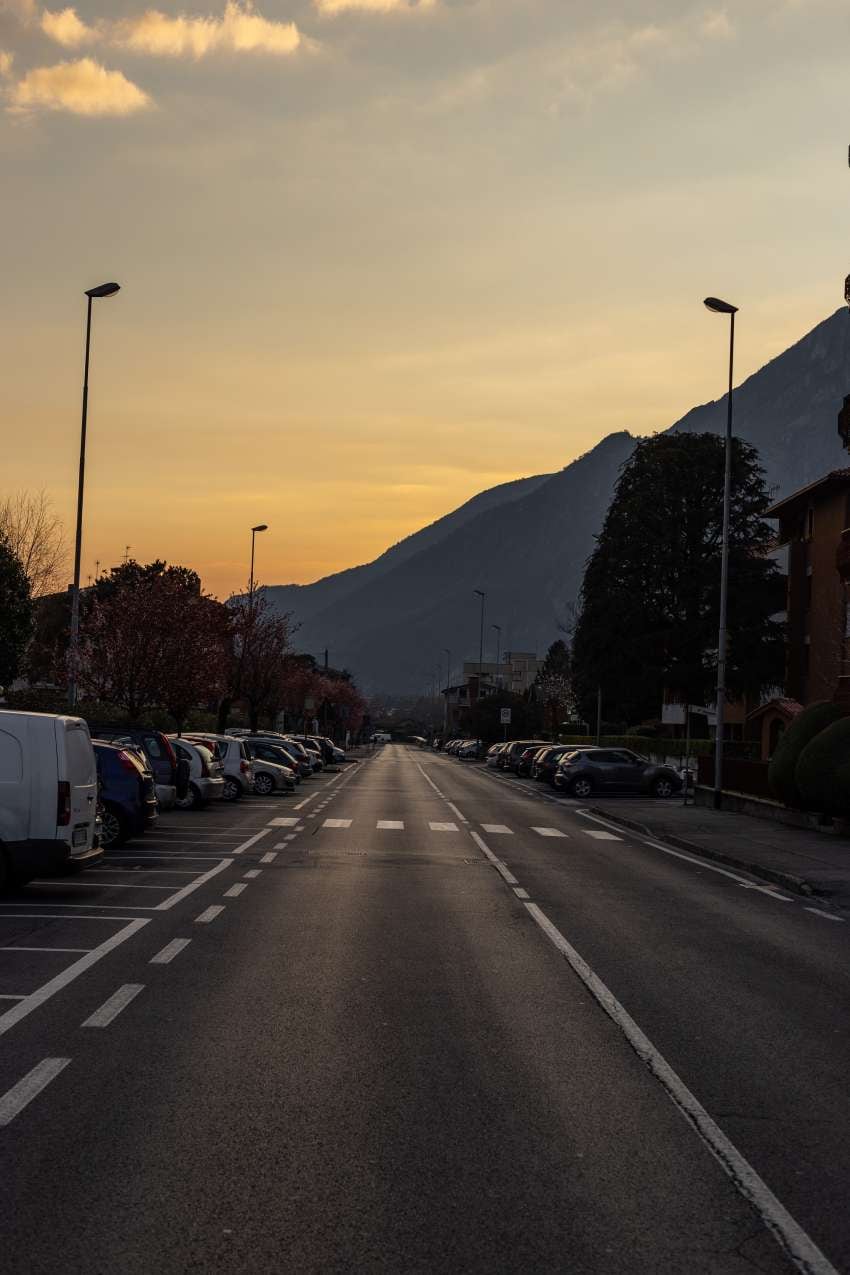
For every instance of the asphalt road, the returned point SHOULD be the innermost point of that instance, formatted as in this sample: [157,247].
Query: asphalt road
[440,1027]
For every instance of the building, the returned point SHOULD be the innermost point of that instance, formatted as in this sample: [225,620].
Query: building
[459,699]
[515,672]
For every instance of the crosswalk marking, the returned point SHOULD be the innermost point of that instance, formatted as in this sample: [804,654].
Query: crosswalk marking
[394,824]
[496,828]
[443,827]
[549,832]
[337,823]
[283,823]
[600,836]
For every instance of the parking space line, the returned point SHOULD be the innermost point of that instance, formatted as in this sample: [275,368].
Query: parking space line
[29,1087]
[252,841]
[107,885]
[209,915]
[44,993]
[168,953]
[12,947]
[8,997]
[194,885]
[111,1008]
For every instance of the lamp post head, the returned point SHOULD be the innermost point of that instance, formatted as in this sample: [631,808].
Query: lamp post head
[263,526]
[719,307]
[104,290]
[480,592]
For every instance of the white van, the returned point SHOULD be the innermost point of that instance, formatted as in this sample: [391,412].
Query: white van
[48,795]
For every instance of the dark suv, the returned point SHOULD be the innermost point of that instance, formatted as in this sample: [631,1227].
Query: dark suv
[126,793]
[161,757]
[589,770]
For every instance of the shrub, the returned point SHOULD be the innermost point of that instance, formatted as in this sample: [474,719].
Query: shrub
[823,770]
[781,773]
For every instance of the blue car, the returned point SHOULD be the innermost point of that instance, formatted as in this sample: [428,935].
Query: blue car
[127,793]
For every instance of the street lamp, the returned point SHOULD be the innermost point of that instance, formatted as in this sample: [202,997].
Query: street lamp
[261,527]
[498,629]
[723,307]
[102,290]
[482,595]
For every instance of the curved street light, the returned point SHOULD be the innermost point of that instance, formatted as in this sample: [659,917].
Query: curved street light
[261,526]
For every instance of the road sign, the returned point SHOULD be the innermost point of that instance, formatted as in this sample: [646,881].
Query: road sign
[505,717]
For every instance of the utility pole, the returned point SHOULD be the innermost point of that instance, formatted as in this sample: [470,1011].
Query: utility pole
[598,716]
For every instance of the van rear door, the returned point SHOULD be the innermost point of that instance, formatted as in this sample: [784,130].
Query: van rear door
[77,797]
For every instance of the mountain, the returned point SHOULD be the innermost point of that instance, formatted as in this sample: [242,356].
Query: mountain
[525,543]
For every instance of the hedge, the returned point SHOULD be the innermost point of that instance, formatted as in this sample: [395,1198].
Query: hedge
[823,770]
[781,774]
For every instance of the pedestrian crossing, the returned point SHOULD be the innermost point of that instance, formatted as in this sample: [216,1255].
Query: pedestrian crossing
[449,826]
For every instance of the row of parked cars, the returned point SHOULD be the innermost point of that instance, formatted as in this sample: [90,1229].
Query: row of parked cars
[70,790]
[580,772]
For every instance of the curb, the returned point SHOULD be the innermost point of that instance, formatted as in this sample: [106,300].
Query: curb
[799,885]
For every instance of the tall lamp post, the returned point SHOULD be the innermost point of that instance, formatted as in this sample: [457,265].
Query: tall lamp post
[498,629]
[103,290]
[723,307]
[262,527]
[482,595]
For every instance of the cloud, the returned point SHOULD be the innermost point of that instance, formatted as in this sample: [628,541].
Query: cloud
[5,62]
[82,88]
[22,10]
[66,28]
[331,7]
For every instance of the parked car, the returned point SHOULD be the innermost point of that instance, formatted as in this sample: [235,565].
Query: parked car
[471,750]
[312,749]
[546,762]
[493,754]
[48,795]
[127,793]
[273,767]
[509,757]
[206,774]
[158,751]
[234,757]
[561,777]
[301,763]
[526,758]
[615,769]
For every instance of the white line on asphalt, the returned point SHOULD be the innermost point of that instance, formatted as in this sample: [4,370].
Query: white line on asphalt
[168,953]
[442,827]
[29,1087]
[12,947]
[7,996]
[270,857]
[58,916]
[500,867]
[195,885]
[520,893]
[312,797]
[110,1009]
[44,993]
[455,811]
[827,915]
[283,823]
[498,828]
[252,872]
[235,891]
[252,841]
[429,781]
[803,1251]
[396,825]
[769,890]
[549,832]
[337,823]
[599,835]
[107,885]
[209,914]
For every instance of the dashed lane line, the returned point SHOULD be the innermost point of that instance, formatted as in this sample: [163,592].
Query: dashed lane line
[111,1008]
[391,825]
[167,954]
[270,857]
[252,873]
[337,823]
[209,914]
[235,890]
[442,827]
[499,829]
[549,832]
[29,1086]
[252,841]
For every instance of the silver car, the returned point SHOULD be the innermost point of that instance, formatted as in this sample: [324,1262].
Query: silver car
[206,774]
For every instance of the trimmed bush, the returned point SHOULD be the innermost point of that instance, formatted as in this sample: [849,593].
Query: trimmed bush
[823,770]
[781,773]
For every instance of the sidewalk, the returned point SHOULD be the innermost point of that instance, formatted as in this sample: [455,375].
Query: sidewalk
[798,859]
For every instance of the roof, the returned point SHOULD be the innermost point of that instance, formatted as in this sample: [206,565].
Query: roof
[788,707]
[835,478]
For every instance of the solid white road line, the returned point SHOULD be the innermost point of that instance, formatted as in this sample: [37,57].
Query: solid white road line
[270,857]
[549,832]
[110,1009]
[13,948]
[252,841]
[498,828]
[500,867]
[283,823]
[303,803]
[443,827]
[337,823]
[7,996]
[457,812]
[29,1087]
[168,953]
[235,891]
[252,872]
[195,885]
[44,993]
[209,915]
[429,781]
[599,835]
[520,893]
[396,825]
[827,915]
[802,1250]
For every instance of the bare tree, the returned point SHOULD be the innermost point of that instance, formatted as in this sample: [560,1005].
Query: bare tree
[36,536]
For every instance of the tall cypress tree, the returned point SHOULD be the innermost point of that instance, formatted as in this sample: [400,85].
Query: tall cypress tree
[651,591]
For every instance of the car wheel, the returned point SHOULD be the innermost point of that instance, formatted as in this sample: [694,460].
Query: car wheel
[192,800]
[662,788]
[263,784]
[232,790]
[581,787]
[114,830]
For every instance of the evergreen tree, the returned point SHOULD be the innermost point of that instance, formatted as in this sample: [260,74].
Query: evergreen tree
[553,686]
[16,613]
[651,590]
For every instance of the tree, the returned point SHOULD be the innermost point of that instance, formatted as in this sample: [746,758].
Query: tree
[554,685]
[16,613]
[650,595]
[259,644]
[37,538]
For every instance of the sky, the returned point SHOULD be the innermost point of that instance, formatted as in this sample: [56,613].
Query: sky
[378,255]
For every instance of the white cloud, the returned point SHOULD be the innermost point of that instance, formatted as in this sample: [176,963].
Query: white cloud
[82,88]
[66,28]
[331,7]
[239,30]
[5,62]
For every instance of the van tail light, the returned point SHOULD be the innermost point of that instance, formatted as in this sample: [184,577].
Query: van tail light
[205,770]
[63,804]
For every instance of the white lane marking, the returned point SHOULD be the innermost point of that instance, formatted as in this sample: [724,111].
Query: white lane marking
[13,948]
[337,823]
[453,808]
[442,827]
[7,996]
[168,953]
[283,823]
[235,891]
[520,893]
[58,916]
[209,915]
[396,825]
[498,828]
[110,1009]
[549,832]
[44,993]
[195,885]
[500,867]
[803,1251]
[827,915]
[29,1086]
[252,841]
[312,797]
[430,781]
[599,835]
[252,872]
[270,857]
[769,890]
[107,885]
